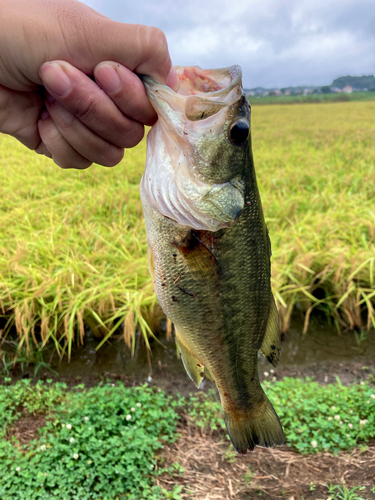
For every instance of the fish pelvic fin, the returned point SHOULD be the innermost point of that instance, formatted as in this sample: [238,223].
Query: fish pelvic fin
[271,345]
[194,368]
[259,425]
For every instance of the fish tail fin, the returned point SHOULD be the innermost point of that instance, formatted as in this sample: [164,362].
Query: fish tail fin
[259,425]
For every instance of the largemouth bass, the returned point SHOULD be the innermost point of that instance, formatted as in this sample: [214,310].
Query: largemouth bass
[209,249]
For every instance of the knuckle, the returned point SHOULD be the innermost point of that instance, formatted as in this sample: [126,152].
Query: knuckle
[158,43]
[87,110]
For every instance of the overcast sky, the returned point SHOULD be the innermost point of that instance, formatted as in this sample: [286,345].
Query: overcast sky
[277,42]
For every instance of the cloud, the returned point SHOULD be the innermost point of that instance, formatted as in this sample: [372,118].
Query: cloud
[277,42]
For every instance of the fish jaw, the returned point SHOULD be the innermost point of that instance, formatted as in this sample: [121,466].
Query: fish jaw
[194,173]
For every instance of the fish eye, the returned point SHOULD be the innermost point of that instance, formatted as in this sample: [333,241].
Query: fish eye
[239,132]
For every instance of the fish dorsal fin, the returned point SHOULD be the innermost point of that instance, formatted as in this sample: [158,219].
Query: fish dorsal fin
[199,108]
[193,367]
[271,345]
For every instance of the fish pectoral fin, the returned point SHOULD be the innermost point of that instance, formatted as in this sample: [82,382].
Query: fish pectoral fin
[193,366]
[271,345]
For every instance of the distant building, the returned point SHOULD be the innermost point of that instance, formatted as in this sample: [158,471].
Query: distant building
[287,92]
[336,89]
[347,89]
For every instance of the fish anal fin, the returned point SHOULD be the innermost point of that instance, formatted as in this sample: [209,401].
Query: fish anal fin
[194,368]
[271,345]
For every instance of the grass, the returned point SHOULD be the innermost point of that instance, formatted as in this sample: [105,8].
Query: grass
[106,442]
[100,443]
[312,98]
[316,418]
[73,252]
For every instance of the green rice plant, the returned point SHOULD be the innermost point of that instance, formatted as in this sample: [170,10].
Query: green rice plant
[73,250]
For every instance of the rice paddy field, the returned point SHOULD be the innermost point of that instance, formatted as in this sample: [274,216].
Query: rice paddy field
[73,249]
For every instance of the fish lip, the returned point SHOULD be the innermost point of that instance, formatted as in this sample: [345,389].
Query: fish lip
[234,71]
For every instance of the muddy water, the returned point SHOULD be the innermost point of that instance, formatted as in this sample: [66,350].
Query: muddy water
[321,353]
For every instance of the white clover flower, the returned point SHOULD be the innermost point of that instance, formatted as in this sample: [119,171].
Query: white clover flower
[350,426]
[18,469]
[132,408]
[113,385]
[128,417]
[314,444]
[348,435]
[43,447]
[266,374]
[333,407]
[138,404]
[272,370]
[368,402]
[90,428]
[274,379]
[86,419]
[329,418]
[341,423]
[363,422]
[71,440]
[68,426]
[351,411]
[372,396]
[337,417]
[159,390]
[75,456]
[149,379]
[362,382]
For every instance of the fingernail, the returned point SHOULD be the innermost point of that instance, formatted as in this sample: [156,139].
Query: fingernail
[108,78]
[55,79]
[172,81]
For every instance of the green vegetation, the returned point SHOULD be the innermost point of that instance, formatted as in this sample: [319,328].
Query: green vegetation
[105,442]
[359,82]
[312,98]
[74,250]
[341,492]
[323,418]
[315,417]
[96,443]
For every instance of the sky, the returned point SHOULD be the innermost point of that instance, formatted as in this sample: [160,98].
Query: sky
[278,43]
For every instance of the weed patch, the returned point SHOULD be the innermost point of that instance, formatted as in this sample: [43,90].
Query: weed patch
[99,443]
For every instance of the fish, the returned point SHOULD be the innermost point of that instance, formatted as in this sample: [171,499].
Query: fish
[209,249]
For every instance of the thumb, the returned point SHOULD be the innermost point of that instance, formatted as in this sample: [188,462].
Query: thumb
[92,38]
[33,33]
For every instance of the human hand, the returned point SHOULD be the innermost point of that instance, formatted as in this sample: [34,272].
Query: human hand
[48,50]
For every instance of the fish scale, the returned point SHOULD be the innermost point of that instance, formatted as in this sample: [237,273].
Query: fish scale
[214,285]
